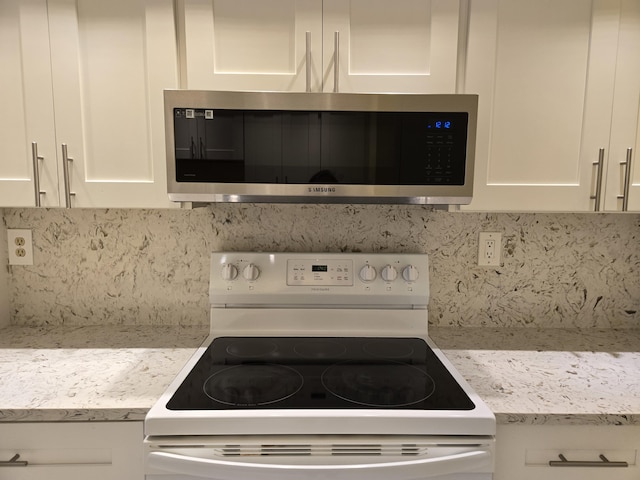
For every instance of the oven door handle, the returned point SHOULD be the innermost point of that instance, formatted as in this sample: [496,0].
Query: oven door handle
[404,470]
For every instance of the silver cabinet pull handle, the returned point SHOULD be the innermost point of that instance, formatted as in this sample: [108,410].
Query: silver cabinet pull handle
[336,62]
[36,172]
[308,61]
[67,181]
[603,462]
[600,164]
[627,180]
[13,462]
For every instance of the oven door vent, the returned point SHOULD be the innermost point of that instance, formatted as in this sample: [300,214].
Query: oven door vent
[322,450]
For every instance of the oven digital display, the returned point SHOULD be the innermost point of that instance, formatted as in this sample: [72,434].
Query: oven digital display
[329,273]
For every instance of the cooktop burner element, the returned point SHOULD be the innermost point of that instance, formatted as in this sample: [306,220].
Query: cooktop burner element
[253,385]
[320,372]
[381,384]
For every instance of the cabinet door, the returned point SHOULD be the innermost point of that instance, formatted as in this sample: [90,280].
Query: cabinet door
[634,189]
[545,74]
[625,125]
[110,63]
[65,451]
[408,46]
[523,452]
[251,45]
[27,105]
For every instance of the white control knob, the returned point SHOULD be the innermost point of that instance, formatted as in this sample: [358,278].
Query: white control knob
[229,272]
[389,273]
[368,273]
[251,272]
[410,273]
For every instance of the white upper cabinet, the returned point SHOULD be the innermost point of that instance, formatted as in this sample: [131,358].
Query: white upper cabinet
[296,45]
[88,75]
[551,92]
[27,106]
[625,126]
[110,63]
[558,85]
[251,44]
[408,46]
[634,174]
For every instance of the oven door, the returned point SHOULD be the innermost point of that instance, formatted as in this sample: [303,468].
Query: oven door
[319,458]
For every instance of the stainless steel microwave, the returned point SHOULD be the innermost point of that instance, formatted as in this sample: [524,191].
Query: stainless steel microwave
[320,147]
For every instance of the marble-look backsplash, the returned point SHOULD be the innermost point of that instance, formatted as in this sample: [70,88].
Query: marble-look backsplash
[97,267]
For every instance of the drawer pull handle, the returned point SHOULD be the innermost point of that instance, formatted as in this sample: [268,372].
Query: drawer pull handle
[14,462]
[604,462]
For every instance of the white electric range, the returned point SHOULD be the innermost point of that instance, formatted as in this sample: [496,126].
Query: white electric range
[319,366]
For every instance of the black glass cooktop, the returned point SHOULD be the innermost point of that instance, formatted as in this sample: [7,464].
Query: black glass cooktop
[312,372]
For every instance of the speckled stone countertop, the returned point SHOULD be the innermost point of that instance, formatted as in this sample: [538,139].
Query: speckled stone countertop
[89,373]
[525,375]
[550,375]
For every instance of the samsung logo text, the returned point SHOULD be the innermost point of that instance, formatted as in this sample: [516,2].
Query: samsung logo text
[322,189]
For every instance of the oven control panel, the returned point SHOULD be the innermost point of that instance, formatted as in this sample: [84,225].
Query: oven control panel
[301,278]
[327,272]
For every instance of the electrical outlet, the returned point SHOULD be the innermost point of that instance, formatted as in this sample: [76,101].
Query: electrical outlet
[20,247]
[489,248]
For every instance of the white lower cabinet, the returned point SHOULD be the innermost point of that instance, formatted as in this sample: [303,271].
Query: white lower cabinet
[72,450]
[523,452]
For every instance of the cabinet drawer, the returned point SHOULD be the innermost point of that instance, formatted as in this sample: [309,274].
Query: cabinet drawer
[101,451]
[523,452]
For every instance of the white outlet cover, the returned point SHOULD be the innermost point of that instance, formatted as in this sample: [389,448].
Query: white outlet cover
[13,244]
[483,259]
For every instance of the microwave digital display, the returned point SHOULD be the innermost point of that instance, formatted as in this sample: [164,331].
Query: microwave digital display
[438,124]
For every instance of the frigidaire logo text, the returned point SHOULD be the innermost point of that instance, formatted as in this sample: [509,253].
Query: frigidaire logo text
[322,189]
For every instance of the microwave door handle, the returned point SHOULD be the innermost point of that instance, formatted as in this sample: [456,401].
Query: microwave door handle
[403,470]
